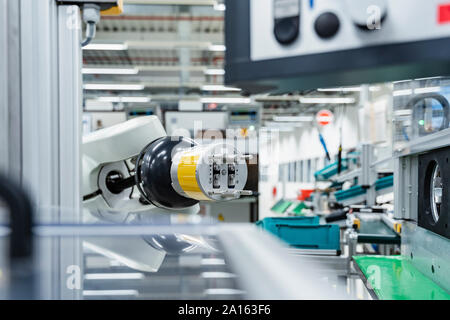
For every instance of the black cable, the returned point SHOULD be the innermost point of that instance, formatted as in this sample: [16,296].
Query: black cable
[21,273]
[117,184]
[90,33]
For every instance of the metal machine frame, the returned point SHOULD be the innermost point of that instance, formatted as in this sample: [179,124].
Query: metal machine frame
[426,250]
[40,120]
[366,175]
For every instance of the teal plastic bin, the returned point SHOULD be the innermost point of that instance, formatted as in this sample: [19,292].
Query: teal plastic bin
[304,232]
[350,193]
[271,223]
[330,170]
[384,183]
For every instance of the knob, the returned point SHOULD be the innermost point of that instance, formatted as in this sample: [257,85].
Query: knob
[327,25]
[286,14]
[367,14]
[287,30]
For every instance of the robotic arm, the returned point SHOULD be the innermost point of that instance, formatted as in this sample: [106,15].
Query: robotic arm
[136,167]
[133,173]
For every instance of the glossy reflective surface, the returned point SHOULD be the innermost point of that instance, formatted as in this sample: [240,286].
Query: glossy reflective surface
[177,258]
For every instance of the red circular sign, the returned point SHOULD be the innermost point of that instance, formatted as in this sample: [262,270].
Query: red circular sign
[324,117]
[212,106]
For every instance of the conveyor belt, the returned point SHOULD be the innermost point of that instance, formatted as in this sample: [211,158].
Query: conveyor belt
[377,231]
[394,278]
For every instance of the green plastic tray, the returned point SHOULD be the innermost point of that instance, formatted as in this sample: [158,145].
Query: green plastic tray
[298,210]
[395,278]
[377,232]
[281,206]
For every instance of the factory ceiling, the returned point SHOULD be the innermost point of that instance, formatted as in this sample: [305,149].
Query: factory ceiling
[165,51]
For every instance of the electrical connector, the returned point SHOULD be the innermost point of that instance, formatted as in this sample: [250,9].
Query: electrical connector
[91,16]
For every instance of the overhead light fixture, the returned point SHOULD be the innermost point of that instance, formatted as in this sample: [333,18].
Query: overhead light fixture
[110,293]
[427,90]
[156,45]
[219,7]
[110,70]
[222,291]
[217,275]
[114,276]
[125,99]
[173,2]
[405,92]
[429,78]
[214,72]
[327,100]
[293,119]
[106,46]
[218,88]
[408,92]
[347,89]
[217,47]
[276,98]
[169,44]
[402,81]
[226,100]
[104,86]
[212,262]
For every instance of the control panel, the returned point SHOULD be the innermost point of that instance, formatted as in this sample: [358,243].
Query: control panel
[317,26]
[289,45]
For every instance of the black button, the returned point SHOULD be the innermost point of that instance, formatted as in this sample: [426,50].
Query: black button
[327,25]
[287,30]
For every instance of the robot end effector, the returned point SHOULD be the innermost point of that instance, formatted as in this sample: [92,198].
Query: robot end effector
[170,172]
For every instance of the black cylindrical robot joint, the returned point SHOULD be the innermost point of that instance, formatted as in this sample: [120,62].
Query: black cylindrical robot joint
[153,172]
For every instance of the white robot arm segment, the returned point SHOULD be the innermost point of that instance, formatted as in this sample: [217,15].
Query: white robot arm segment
[170,173]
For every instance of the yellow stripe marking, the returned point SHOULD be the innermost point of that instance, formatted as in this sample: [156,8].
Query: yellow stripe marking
[187,177]
[114,11]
